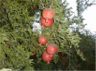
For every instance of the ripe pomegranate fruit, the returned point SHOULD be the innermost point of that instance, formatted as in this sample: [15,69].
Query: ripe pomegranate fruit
[47,22]
[47,57]
[48,13]
[52,49]
[42,40]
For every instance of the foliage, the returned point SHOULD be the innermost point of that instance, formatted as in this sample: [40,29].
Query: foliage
[19,48]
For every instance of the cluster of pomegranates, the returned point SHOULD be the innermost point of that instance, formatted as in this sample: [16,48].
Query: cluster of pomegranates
[47,18]
[49,52]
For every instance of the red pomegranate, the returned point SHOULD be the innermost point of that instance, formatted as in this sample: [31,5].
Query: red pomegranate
[47,57]
[52,49]
[42,40]
[48,13]
[47,22]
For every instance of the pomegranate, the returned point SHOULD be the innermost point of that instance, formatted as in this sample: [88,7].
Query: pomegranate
[52,49]
[47,57]
[48,13]
[47,22]
[42,40]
